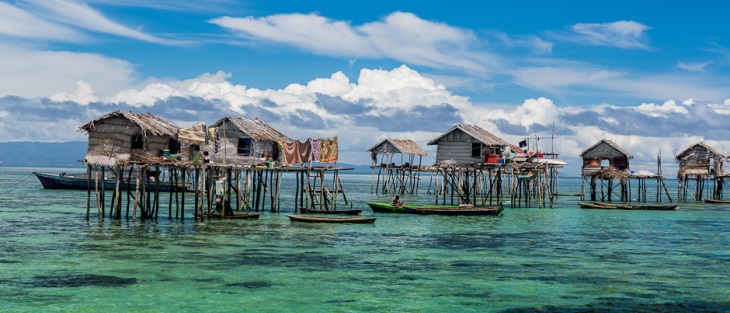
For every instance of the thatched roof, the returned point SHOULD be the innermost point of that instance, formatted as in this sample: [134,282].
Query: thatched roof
[255,128]
[710,151]
[147,123]
[474,131]
[609,143]
[404,146]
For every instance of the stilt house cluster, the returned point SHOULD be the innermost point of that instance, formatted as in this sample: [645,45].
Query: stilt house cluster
[473,166]
[236,161]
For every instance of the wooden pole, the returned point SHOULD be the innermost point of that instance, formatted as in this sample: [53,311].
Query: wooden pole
[88,191]
[182,202]
[103,187]
[172,188]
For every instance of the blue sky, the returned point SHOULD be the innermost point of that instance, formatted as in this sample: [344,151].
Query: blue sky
[650,75]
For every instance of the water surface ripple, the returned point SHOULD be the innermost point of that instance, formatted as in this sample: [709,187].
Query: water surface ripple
[528,260]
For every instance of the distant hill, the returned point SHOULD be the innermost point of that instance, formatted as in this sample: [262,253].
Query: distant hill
[68,154]
[52,154]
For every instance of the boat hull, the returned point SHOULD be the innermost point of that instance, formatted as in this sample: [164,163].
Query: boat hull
[717,201]
[383,207]
[61,181]
[345,212]
[322,219]
[459,211]
[235,216]
[611,206]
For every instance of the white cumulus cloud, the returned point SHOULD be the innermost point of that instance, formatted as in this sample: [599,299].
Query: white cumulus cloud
[662,110]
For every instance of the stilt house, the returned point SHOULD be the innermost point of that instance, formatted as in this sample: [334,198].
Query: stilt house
[467,144]
[120,138]
[244,141]
[605,155]
[698,160]
[390,147]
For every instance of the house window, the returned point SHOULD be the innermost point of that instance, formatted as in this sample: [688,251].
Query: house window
[137,142]
[244,146]
[476,149]
[173,146]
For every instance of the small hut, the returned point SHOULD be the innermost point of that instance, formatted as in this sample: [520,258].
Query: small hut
[605,150]
[468,144]
[402,177]
[698,159]
[697,166]
[119,138]
[390,147]
[244,141]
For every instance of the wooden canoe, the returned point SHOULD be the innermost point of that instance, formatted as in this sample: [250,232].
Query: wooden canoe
[717,201]
[80,181]
[240,216]
[324,219]
[624,206]
[384,207]
[346,212]
[460,211]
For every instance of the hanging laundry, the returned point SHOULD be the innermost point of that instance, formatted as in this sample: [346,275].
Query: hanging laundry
[281,156]
[291,152]
[316,149]
[216,143]
[329,151]
[305,151]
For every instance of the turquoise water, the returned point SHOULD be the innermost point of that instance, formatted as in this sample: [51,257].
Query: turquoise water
[528,260]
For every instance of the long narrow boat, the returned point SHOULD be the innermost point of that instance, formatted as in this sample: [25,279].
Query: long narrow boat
[324,219]
[80,181]
[624,206]
[239,216]
[460,211]
[717,201]
[346,212]
[385,207]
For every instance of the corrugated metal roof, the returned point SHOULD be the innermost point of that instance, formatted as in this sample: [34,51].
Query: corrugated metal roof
[257,129]
[474,131]
[405,146]
[610,143]
[147,123]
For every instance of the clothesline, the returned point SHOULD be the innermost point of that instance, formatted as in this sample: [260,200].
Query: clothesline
[311,150]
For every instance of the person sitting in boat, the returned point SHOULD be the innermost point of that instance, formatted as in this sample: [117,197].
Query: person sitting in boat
[219,206]
[397,202]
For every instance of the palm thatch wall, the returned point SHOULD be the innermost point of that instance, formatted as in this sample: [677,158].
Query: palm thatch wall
[466,144]
[618,158]
[119,138]
[698,159]
[391,146]
[245,141]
